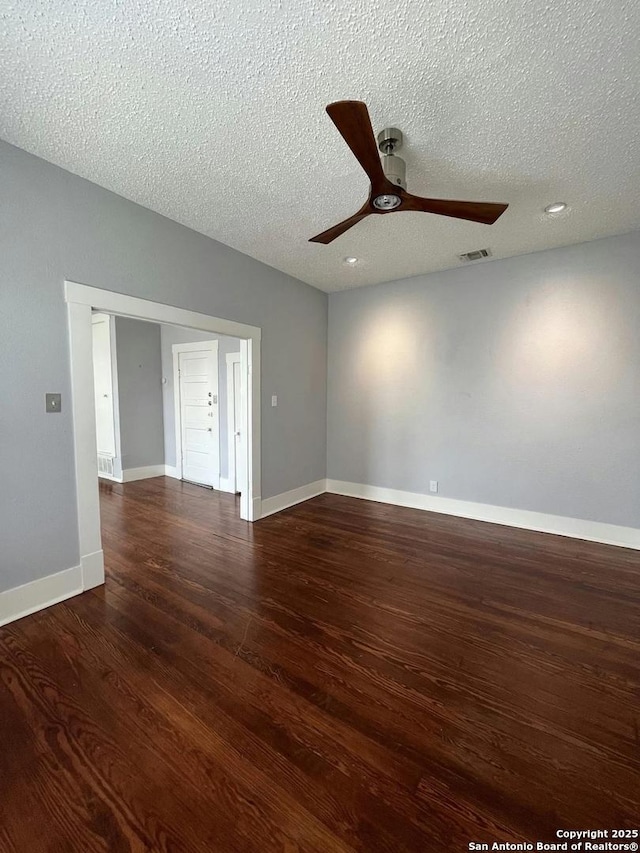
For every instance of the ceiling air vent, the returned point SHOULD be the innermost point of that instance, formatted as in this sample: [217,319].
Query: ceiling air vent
[475,256]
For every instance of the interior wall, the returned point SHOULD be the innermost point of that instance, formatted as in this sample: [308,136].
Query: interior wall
[514,383]
[171,335]
[56,226]
[139,367]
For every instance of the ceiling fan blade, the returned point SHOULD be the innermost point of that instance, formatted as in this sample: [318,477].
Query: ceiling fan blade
[352,120]
[331,233]
[475,211]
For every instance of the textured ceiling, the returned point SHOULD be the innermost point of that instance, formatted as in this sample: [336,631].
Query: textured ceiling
[213,115]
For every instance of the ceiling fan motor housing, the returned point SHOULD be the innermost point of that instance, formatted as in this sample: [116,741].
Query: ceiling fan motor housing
[395,169]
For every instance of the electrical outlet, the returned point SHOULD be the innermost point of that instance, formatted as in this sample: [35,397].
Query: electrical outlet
[274,400]
[433,486]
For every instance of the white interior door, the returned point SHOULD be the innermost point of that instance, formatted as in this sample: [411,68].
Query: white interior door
[103,385]
[199,418]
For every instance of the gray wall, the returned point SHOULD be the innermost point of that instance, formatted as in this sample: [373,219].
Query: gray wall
[515,382]
[139,364]
[54,225]
[171,335]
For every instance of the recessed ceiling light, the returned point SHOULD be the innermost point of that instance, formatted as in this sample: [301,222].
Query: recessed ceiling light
[351,261]
[556,207]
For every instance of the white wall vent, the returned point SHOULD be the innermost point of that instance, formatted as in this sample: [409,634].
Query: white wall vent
[105,464]
[475,256]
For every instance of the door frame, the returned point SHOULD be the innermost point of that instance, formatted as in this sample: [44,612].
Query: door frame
[98,317]
[81,300]
[232,358]
[176,349]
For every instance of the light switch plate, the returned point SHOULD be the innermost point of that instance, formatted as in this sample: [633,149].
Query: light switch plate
[53,402]
[274,400]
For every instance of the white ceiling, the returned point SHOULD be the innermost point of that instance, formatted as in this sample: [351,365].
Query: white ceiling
[212,113]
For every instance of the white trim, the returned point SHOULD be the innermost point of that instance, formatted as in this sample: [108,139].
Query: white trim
[36,595]
[195,346]
[80,300]
[257,508]
[92,567]
[110,477]
[225,485]
[576,528]
[98,317]
[293,497]
[232,358]
[117,462]
[130,475]
[250,373]
[84,428]
[176,349]
[158,312]
[177,415]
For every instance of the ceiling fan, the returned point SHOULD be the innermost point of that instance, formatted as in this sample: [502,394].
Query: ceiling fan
[388,192]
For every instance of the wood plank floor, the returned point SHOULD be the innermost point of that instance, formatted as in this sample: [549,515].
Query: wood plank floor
[342,676]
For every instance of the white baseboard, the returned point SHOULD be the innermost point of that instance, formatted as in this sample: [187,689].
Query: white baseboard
[256,509]
[171,471]
[225,486]
[576,528]
[295,496]
[131,474]
[92,566]
[111,477]
[36,595]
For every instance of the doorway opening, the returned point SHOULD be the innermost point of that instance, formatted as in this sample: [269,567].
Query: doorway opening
[206,439]
[83,304]
[164,405]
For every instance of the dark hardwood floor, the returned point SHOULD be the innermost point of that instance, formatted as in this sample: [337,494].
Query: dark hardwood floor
[342,676]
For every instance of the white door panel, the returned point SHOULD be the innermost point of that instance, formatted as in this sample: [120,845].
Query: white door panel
[199,427]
